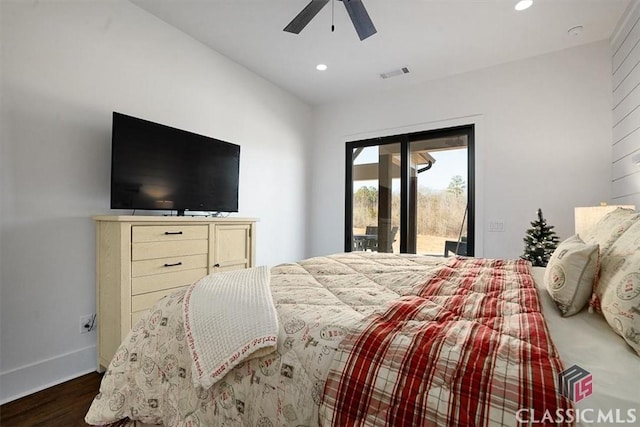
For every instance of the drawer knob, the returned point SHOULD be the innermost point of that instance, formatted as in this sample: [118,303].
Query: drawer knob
[174,264]
[169,233]
[216,265]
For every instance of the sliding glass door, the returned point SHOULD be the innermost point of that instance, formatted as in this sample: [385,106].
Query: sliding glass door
[411,193]
[375,189]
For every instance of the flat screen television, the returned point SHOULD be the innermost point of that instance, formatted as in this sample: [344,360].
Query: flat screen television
[158,167]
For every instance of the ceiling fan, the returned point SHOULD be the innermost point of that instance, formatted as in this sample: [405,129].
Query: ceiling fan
[358,14]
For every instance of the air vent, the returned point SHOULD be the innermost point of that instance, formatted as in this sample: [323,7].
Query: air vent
[395,73]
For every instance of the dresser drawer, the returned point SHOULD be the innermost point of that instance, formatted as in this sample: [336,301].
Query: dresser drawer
[168,265]
[145,301]
[162,233]
[170,249]
[145,284]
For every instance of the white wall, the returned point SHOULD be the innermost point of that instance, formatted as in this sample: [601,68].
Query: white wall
[543,141]
[65,67]
[625,172]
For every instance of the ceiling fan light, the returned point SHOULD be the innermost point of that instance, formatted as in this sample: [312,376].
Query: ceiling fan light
[523,4]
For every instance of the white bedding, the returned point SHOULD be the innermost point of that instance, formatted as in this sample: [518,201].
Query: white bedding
[587,340]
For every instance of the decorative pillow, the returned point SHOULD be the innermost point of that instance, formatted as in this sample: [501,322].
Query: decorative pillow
[610,228]
[570,274]
[620,287]
[612,255]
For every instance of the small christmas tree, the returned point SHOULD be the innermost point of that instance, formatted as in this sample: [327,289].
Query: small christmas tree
[540,242]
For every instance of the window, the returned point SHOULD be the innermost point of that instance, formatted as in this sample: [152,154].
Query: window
[411,193]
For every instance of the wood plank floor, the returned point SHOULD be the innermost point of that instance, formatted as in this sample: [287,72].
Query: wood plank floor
[63,405]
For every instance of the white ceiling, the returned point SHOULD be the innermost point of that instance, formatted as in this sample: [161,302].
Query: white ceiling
[432,38]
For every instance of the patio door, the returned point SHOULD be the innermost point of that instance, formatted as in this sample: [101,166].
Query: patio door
[411,193]
[376,211]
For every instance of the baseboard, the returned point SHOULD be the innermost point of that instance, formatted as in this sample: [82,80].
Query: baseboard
[38,376]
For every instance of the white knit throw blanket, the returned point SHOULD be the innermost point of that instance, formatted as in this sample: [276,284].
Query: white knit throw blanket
[229,317]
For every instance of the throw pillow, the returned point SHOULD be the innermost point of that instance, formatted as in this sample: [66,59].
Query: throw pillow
[605,233]
[620,288]
[610,228]
[570,274]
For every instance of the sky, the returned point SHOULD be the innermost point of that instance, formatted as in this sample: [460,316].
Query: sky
[448,164]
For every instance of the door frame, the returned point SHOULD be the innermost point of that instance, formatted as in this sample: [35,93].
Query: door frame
[405,206]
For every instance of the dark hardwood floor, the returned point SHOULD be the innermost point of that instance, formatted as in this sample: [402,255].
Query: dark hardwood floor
[64,405]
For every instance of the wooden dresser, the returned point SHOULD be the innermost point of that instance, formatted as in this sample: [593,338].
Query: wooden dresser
[140,259]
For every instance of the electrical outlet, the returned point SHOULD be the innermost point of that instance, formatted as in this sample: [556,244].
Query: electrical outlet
[88,323]
[497,225]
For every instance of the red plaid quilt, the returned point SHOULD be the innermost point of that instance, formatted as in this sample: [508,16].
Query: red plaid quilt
[469,347]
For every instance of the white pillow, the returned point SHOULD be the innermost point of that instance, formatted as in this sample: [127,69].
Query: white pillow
[620,289]
[570,274]
[610,228]
[612,255]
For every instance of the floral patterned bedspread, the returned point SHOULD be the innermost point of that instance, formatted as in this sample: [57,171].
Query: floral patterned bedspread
[318,300]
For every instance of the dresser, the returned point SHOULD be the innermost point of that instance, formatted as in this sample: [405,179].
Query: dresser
[141,259]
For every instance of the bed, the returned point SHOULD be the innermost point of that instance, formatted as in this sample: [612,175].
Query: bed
[382,339]
[586,340]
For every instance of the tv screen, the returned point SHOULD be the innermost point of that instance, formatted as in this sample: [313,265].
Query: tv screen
[157,167]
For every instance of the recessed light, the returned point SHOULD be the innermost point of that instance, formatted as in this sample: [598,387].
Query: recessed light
[575,31]
[321,67]
[523,4]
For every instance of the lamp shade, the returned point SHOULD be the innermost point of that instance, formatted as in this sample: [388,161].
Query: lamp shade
[586,217]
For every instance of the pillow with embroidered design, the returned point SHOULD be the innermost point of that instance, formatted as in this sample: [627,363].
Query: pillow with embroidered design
[570,274]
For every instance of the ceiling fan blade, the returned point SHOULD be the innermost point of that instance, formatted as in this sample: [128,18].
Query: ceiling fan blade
[360,18]
[304,17]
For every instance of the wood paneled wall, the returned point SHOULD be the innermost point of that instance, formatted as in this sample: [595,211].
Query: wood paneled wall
[625,170]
